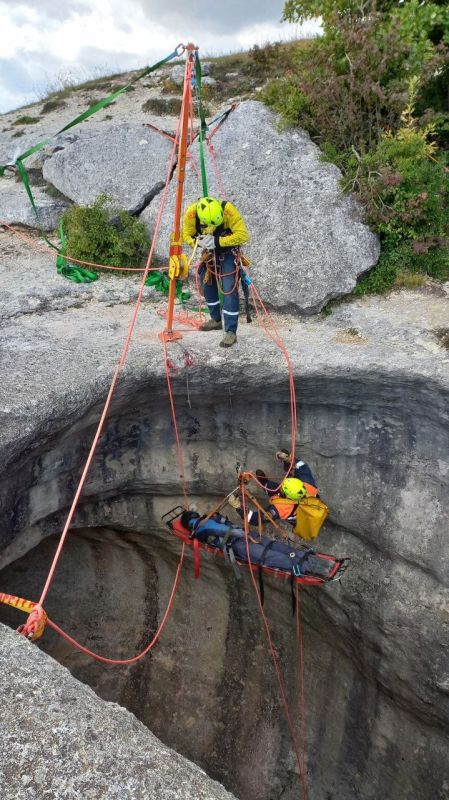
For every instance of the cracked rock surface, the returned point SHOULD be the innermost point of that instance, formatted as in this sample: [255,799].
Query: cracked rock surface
[308,242]
[122,161]
[60,740]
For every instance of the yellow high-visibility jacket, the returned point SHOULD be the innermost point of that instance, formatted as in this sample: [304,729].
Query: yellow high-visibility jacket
[234,229]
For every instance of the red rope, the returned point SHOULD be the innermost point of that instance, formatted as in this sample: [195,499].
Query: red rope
[275,658]
[212,153]
[139,656]
[301,695]
[45,248]
[179,451]
[112,387]
[268,325]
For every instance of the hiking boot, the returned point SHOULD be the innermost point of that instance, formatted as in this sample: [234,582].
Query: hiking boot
[228,339]
[211,325]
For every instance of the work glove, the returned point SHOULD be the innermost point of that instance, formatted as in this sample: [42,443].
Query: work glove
[234,501]
[206,241]
[283,455]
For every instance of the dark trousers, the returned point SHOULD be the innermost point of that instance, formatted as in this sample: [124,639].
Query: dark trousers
[226,269]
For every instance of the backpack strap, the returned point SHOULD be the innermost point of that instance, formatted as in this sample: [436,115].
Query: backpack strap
[226,545]
[260,570]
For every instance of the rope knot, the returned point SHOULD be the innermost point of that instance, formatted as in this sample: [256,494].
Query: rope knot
[34,627]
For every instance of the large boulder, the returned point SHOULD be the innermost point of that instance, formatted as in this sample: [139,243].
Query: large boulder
[308,243]
[16,209]
[60,740]
[124,161]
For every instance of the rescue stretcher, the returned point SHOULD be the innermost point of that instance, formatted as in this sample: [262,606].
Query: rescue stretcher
[322,567]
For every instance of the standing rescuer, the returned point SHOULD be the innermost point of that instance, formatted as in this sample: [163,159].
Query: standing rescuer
[219,229]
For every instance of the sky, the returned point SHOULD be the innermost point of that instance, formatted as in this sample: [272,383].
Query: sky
[45,43]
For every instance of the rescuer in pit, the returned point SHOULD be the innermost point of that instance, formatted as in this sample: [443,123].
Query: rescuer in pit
[298,483]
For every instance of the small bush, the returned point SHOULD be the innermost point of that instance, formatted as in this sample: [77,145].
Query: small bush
[18,134]
[409,280]
[170,87]
[162,107]
[284,96]
[90,236]
[27,120]
[52,105]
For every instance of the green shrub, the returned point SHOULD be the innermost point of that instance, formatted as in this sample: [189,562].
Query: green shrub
[26,120]
[52,105]
[91,237]
[355,76]
[284,96]
[161,106]
[399,265]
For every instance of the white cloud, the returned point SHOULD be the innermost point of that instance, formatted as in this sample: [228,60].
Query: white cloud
[42,39]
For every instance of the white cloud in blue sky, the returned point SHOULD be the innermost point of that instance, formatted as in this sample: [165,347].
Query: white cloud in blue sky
[44,42]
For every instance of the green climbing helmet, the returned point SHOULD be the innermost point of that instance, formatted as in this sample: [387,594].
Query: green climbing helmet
[210,211]
[293,489]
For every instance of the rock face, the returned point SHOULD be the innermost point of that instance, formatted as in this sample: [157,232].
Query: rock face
[373,386]
[59,739]
[308,243]
[15,208]
[124,161]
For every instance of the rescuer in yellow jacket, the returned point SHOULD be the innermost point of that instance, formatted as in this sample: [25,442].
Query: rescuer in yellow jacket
[219,229]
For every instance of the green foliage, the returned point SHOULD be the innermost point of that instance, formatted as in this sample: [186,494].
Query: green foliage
[163,107]
[91,237]
[26,120]
[284,96]
[355,76]
[374,92]
[52,105]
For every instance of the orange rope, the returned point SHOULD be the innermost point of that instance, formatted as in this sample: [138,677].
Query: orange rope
[111,389]
[274,656]
[143,653]
[301,698]
[45,248]
[179,450]
[269,326]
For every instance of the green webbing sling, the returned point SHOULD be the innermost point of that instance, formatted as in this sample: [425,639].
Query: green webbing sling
[161,282]
[203,123]
[62,264]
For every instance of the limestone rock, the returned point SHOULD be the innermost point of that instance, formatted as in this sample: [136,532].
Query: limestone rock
[177,72]
[16,209]
[308,243]
[59,739]
[124,161]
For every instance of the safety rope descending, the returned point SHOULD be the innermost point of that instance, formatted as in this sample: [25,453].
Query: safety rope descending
[299,753]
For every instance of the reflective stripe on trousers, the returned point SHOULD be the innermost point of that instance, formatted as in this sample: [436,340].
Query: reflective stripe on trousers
[226,268]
